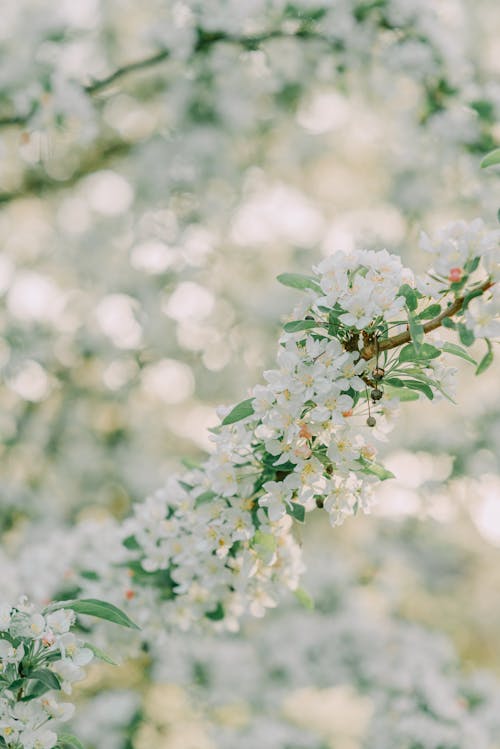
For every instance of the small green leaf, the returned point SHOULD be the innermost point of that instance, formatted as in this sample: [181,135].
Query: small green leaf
[470,296]
[453,348]
[491,158]
[298,281]
[35,690]
[430,312]
[376,470]
[94,607]
[207,496]
[68,741]
[100,654]
[416,330]
[48,678]
[425,351]
[239,412]
[473,264]
[216,614]
[394,381]
[403,395]
[486,360]
[411,296]
[89,575]
[296,325]
[131,543]
[466,336]
[297,511]
[420,386]
[449,323]
[304,598]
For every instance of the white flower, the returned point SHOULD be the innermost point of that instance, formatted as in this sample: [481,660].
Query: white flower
[39,738]
[483,315]
[9,653]
[277,498]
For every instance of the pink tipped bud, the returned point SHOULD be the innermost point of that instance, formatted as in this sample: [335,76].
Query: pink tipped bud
[455,275]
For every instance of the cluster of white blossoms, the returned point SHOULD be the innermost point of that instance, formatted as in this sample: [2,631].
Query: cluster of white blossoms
[39,658]
[459,251]
[216,541]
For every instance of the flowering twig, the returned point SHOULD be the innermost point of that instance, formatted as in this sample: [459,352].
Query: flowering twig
[368,350]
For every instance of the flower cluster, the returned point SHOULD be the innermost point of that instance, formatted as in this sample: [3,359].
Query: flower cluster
[39,658]
[216,541]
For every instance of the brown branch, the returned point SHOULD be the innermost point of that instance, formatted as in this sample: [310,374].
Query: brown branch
[368,350]
[204,41]
[147,62]
[37,182]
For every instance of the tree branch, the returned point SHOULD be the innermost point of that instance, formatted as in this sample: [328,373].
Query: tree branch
[203,42]
[147,62]
[369,349]
[37,181]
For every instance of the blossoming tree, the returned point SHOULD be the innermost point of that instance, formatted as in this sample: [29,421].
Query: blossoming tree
[209,111]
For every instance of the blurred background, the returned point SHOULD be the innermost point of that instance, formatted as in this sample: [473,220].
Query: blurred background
[160,164]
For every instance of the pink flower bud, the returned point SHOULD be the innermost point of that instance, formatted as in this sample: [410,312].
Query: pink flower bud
[455,275]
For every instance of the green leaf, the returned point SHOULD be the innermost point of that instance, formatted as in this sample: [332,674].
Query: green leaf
[35,690]
[100,654]
[68,741]
[411,296]
[420,386]
[472,264]
[423,378]
[217,614]
[466,336]
[304,598]
[425,351]
[486,360]
[470,296]
[394,381]
[403,394]
[89,575]
[207,496]
[94,607]
[491,158]
[295,325]
[239,412]
[429,312]
[298,281]
[376,470]
[131,543]
[416,330]
[453,348]
[449,323]
[297,511]
[48,678]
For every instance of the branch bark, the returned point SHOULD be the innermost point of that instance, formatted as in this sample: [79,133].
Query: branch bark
[369,349]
